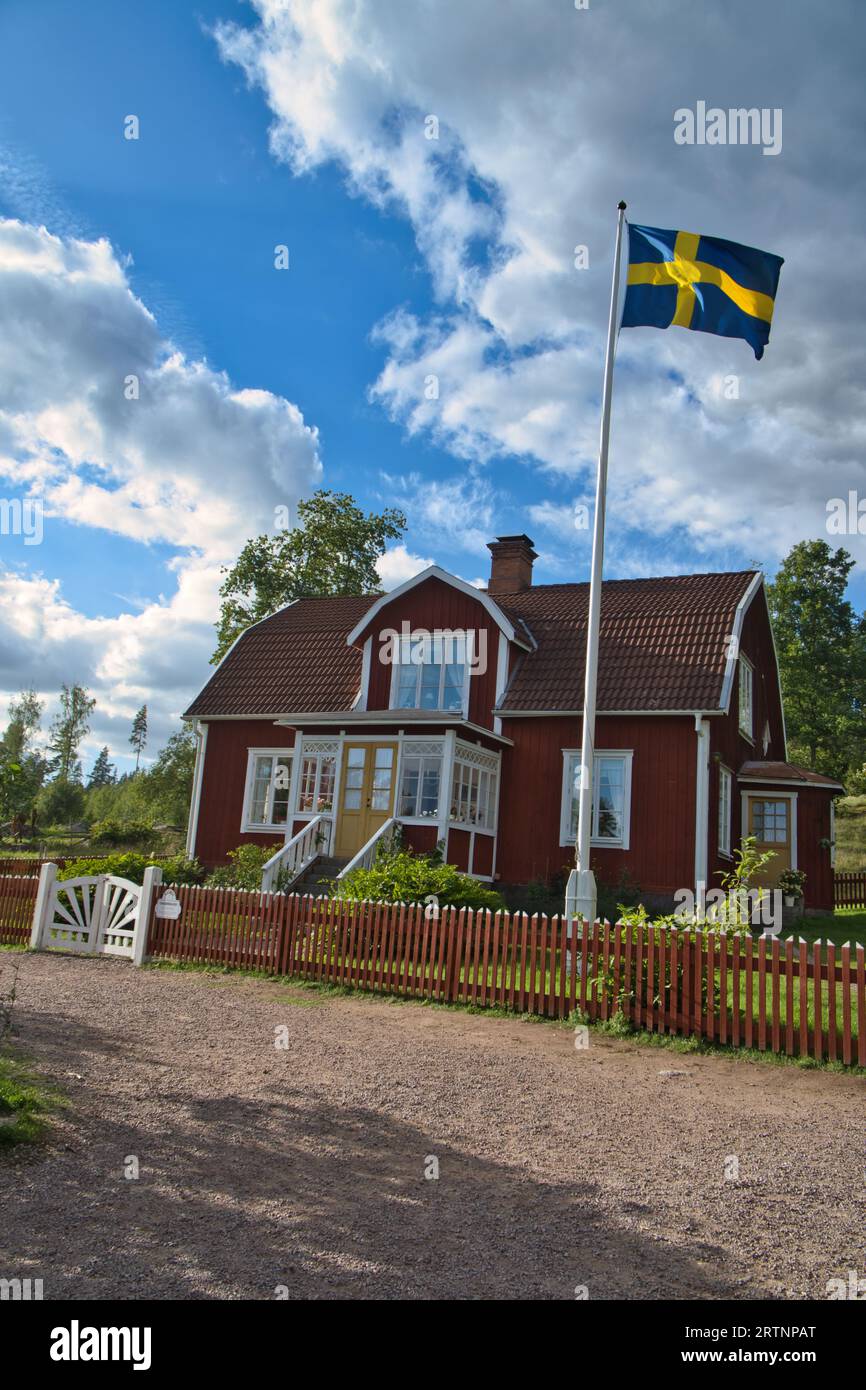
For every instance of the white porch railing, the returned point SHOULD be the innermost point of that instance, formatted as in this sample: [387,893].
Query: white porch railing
[365,856]
[297,854]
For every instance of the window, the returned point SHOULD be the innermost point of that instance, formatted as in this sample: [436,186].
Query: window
[770,822]
[269,776]
[316,785]
[611,799]
[430,673]
[725,783]
[473,795]
[746,684]
[419,785]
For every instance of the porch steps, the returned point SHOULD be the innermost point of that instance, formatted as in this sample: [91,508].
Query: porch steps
[318,877]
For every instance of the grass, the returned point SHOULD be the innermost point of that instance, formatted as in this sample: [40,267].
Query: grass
[851,833]
[846,924]
[25,1103]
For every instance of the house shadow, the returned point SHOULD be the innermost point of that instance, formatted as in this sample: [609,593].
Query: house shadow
[299,1196]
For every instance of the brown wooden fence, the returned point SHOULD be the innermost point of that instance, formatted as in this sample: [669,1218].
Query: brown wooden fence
[783,996]
[849,889]
[17,900]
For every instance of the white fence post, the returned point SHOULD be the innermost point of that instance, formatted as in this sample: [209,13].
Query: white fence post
[44,899]
[152,880]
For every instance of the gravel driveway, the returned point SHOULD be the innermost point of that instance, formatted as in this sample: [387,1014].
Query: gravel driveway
[304,1166]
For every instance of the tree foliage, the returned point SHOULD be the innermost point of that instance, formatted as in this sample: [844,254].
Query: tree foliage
[68,728]
[333,550]
[821,642]
[138,737]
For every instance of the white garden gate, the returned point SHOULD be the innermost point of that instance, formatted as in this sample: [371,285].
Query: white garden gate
[98,914]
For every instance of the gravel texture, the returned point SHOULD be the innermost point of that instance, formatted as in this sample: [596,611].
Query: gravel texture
[304,1167]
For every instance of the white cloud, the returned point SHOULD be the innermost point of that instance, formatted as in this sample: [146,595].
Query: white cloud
[555,113]
[398,564]
[192,463]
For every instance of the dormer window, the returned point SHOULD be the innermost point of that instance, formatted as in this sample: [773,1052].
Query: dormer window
[431,672]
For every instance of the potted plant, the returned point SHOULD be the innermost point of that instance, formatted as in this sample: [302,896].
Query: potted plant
[791,884]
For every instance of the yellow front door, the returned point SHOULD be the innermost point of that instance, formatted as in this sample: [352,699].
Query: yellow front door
[769,821]
[366,794]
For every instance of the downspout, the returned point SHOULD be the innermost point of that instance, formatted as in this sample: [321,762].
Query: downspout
[702,804]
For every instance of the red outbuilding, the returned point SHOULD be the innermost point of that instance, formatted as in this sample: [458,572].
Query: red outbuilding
[455,711]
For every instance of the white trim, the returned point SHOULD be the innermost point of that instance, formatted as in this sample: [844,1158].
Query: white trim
[434,572]
[607,713]
[791,782]
[745,664]
[258,827]
[501,678]
[734,646]
[343,719]
[597,842]
[725,849]
[197,780]
[774,796]
[702,800]
[364,688]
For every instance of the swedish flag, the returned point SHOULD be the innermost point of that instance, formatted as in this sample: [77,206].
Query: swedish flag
[700,282]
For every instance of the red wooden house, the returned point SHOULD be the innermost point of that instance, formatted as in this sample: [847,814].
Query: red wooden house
[456,712]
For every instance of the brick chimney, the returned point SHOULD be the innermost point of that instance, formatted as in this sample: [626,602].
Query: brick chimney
[510,564]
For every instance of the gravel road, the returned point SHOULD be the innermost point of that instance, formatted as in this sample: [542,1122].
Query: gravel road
[303,1166]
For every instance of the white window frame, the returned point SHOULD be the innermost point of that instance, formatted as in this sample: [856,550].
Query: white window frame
[488,770]
[249,827]
[396,667]
[417,818]
[599,842]
[726,795]
[746,682]
[318,759]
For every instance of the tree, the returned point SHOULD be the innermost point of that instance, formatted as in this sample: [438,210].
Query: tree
[333,551]
[68,728]
[22,768]
[103,772]
[61,802]
[138,737]
[821,642]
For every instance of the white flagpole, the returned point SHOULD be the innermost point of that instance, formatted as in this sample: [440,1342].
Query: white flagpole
[581,897]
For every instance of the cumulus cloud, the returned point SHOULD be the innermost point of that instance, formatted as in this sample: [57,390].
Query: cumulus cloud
[547,115]
[118,432]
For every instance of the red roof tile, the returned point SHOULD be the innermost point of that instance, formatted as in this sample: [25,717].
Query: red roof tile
[295,661]
[663,642]
[785,772]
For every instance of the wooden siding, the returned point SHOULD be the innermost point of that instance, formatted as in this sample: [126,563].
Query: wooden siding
[433,605]
[661,854]
[222,791]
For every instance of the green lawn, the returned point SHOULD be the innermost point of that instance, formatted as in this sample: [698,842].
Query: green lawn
[848,924]
[25,1103]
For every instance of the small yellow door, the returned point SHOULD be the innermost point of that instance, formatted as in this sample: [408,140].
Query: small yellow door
[366,794]
[770,823]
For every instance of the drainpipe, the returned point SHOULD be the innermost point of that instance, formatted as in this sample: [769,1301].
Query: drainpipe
[702,802]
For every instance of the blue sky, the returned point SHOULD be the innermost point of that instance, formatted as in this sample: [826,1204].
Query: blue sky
[305,126]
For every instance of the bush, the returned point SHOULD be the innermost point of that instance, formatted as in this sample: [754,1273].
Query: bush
[113,834]
[398,875]
[176,869]
[245,868]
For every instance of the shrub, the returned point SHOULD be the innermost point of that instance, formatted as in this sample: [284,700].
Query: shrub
[399,875]
[245,868]
[113,834]
[176,869]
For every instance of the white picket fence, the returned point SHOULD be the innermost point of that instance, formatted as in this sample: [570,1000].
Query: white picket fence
[99,914]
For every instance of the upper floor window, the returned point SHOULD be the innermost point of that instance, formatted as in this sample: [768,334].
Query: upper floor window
[430,673]
[746,698]
[611,800]
[269,777]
